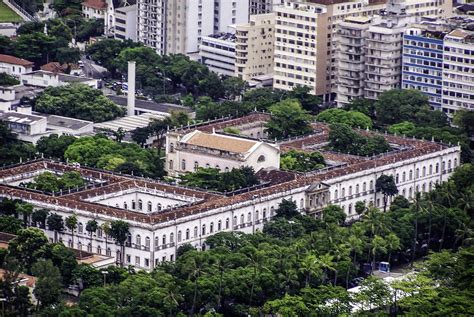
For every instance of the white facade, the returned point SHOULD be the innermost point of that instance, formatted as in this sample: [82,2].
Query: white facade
[45,79]
[14,66]
[458,72]
[263,6]
[229,12]
[125,26]
[94,9]
[198,149]
[217,52]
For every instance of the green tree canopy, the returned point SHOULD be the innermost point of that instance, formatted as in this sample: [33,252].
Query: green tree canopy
[351,118]
[78,101]
[288,119]
[300,161]
[54,146]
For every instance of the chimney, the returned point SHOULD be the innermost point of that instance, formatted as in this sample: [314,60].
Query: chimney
[131,89]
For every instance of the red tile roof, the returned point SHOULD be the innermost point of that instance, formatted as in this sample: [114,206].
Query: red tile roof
[95,4]
[14,60]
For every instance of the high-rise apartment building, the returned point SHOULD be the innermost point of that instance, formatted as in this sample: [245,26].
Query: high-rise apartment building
[217,52]
[177,26]
[350,59]
[263,6]
[423,61]
[458,71]
[305,48]
[254,46]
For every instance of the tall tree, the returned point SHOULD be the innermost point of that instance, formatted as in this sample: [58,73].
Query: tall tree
[91,227]
[28,246]
[71,224]
[56,224]
[48,286]
[26,210]
[288,119]
[385,184]
[119,230]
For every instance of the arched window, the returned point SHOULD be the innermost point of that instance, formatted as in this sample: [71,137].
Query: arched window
[241,218]
[443,166]
[431,186]
[217,167]
[449,164]
[179,236]
[227,224]
[264,213]
[203,231]
[437,168]
[99,250]
[410,192]
[89,247]
[183,164]
[417,188]
[364,187]
[335,194]
[109,252]
[431,169]
[125,205]
[187,234]
[147,242]
[158,207]
[410,175]
[208,165]
[343,192]
[371,185]
[424,171]
[157,243]
[171,237]
[211,227]
[234,221]
[196,165]
[417,173]
[99,232]
[219,225]
[455,162]
[149,206]
[397,178]
[195,232]
[257,215]
[272,211]
[350,190]
[138,240]
[350,209]
[140,204]
[404,192]
[261,158]
[249,217]
[404,176]
[357,188]
[301,203]
[79,245]
[134,205]
[226,169]
[163,240]
[80,227]
[170,164]
[423,188]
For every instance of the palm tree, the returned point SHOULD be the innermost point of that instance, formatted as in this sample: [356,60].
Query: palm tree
[71,224]
[464,234]
[378,244]
[196,266]
[26,210]
[326,263]
[356,247]
[417,210]
[221,265]
[256,261]
[392,244]
[310,266]
[106,229]
[91,227]
[56,224]
[119,230]
[340,251]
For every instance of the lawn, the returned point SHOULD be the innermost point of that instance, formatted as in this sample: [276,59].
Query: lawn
[7,14]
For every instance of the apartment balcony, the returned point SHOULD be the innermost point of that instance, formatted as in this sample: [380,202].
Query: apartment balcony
[351,75]
[380,71]
[349,34]
[351,42]
[354,67]
[383,64]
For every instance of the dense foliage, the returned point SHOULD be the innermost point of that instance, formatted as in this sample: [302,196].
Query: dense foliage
[101,152]
[351,118]
[300,161]
[213,179]
[49,182]
[13,150]
[288,119]
[78,101]
[8,80]
[343,139]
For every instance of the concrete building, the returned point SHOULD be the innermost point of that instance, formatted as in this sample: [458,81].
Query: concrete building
[305,32]
[458,72]
[263,6]
[14,66]
[350,59]
[423,61]
[162,217]
[217,52]
[177,27]
[41,78]
[125,27]
[186,153]
[254,47]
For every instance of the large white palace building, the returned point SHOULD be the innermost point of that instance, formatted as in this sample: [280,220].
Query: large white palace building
[163,217]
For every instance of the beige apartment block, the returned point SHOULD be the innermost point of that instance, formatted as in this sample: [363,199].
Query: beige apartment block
[305,31]
[254,46]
